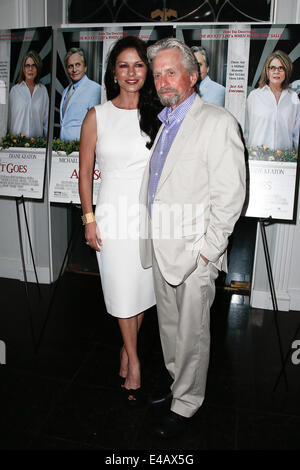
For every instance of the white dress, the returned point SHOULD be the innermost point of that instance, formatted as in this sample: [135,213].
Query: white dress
[121,156]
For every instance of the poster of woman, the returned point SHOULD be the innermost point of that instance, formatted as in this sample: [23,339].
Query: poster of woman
[273,109]
[272,123]
[27,55]
[29,99]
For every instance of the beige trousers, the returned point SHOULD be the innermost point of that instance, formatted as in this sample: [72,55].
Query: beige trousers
[184,325]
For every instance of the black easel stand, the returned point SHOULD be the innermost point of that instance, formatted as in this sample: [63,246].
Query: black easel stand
[263,224]
[21,200]
[55,285]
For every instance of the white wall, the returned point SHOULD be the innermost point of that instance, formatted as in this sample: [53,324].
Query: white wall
[286,11]
[11,13]
[22,13]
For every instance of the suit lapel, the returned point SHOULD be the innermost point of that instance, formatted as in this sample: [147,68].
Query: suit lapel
[63,98]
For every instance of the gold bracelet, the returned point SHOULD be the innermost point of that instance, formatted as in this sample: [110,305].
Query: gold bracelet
[88,218]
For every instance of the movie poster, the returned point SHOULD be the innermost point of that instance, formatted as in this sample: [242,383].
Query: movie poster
[71,106]
[25,82]
[254,72]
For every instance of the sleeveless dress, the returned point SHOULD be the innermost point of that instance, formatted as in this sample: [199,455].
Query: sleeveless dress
[121,155]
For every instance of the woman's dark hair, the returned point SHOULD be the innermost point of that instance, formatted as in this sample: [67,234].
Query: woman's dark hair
[149,105]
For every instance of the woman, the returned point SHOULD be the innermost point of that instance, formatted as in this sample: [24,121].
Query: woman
[273,112]
[120,132]
[29,101]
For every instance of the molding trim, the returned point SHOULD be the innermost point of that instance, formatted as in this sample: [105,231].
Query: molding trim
[262,299]
[295,299]
[12,269]
[286,301]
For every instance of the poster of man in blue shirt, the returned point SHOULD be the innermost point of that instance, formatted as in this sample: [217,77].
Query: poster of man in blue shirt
[210,91]
[78,97]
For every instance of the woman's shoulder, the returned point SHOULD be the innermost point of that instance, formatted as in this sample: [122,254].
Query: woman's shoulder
[42,88]
[17,92]
[16,87]
[101,106]
[256,94]
[102,109]
[292,97]
[292,93]
[259,90]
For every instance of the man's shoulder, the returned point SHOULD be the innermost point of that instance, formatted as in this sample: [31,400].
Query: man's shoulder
[209,83]
[202,106]
[216,87]
[92,84]
[202,110]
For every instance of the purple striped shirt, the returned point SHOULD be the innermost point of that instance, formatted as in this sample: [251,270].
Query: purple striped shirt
[172,120]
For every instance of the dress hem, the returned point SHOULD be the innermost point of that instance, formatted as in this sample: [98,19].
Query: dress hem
[130,316]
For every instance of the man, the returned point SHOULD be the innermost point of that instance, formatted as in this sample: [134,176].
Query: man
[209,90]
[81,95]
[192,194]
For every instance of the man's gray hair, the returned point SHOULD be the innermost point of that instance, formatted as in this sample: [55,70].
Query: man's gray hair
[188,59]
[75,50]
[202,51]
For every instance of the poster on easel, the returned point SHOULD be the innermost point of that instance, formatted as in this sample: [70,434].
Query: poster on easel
[25,79]
[254,71]
[88,48]
[272,122]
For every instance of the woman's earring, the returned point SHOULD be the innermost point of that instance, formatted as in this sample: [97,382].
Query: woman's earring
[115,80]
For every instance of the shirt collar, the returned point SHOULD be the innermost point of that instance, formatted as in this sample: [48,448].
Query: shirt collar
[205,79]
[268,89]
[76,84]
[168,116]
[24,84]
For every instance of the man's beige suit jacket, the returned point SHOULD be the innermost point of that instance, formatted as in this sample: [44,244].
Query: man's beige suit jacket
[199,197]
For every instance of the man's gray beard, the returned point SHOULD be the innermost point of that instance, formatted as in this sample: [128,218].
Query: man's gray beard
[169,100]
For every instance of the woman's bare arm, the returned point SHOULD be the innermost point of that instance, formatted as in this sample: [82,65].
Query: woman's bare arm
[88,139]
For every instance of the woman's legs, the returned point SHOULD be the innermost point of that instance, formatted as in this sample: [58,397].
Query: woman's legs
[130,364]
[123,362]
